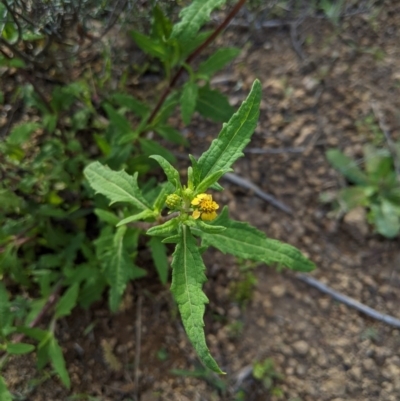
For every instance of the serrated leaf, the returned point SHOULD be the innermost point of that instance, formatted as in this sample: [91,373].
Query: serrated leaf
[150,46]
[346,166]
[139,216]
[56,357]
[244,241]
[213,104]
[234,136]
[187,280]
[119,268]
[171,172]
[188,101]
[20,348]
[164,229]
[117,186]
[68,301]
[193,17]
[21,133]
[218,61]
[131,103]
[5,395]
[209,228]
[159,255]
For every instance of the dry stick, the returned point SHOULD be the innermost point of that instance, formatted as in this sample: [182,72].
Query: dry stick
[138,339]
[390,320]
[234,178]
[192,56]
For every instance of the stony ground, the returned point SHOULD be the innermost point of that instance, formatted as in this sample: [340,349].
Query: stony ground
[324,350]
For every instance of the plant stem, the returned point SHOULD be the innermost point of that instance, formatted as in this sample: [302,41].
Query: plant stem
[192,56]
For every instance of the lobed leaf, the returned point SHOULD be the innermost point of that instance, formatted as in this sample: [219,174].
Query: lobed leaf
[234,136]
[193,17]
[117,186]
[187,280]
[245,241]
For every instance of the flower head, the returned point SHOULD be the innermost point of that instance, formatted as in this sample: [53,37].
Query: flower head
[173,201]
[205,207]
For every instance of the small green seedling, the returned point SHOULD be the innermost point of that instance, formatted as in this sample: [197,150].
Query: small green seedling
[266,373]
[377,188]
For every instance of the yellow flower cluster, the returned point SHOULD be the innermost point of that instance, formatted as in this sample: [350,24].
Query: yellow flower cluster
[205,207]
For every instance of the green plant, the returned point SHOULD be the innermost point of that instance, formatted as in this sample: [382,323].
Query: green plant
[241,290]
[61,246]
[377,188]
[193,214]
[54,245]
[266,373]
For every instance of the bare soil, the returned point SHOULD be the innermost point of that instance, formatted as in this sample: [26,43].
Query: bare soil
[324,350]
